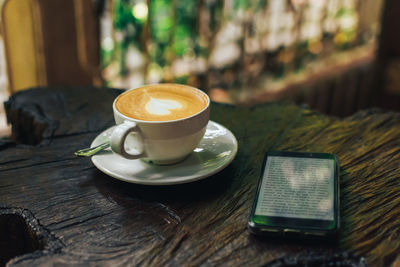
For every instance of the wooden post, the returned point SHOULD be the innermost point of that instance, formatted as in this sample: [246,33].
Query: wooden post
[50,43]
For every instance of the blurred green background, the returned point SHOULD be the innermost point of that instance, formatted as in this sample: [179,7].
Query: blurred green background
[235,46]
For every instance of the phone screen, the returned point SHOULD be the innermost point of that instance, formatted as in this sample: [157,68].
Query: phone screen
[297,191]
[297,188]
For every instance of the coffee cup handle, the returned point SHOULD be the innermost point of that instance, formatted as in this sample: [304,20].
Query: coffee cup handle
[118,139]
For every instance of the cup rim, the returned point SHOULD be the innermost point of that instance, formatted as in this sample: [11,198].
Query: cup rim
[161,122]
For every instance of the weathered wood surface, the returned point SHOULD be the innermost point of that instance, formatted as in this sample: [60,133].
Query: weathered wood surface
[87,217]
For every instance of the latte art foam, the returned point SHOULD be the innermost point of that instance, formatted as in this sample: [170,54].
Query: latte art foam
[162,102]
[161,106]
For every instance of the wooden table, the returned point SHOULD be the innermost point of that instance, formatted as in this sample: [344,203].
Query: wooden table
[59,209]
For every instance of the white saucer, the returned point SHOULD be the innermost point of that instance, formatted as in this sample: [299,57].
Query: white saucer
[215,151]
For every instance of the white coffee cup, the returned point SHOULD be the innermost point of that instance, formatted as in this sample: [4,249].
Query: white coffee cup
[161,142]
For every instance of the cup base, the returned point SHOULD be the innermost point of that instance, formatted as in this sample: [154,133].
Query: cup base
[164,162]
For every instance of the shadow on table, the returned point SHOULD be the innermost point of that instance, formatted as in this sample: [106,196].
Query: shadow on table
[208,188]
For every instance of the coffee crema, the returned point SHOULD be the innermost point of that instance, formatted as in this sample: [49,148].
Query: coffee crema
[161,102]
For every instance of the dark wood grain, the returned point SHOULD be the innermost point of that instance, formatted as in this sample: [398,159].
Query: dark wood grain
[102,221]
[40,114]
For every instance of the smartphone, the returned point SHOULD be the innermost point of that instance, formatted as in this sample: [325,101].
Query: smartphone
[297,195]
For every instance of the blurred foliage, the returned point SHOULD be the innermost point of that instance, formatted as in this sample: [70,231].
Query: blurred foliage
[165,31]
